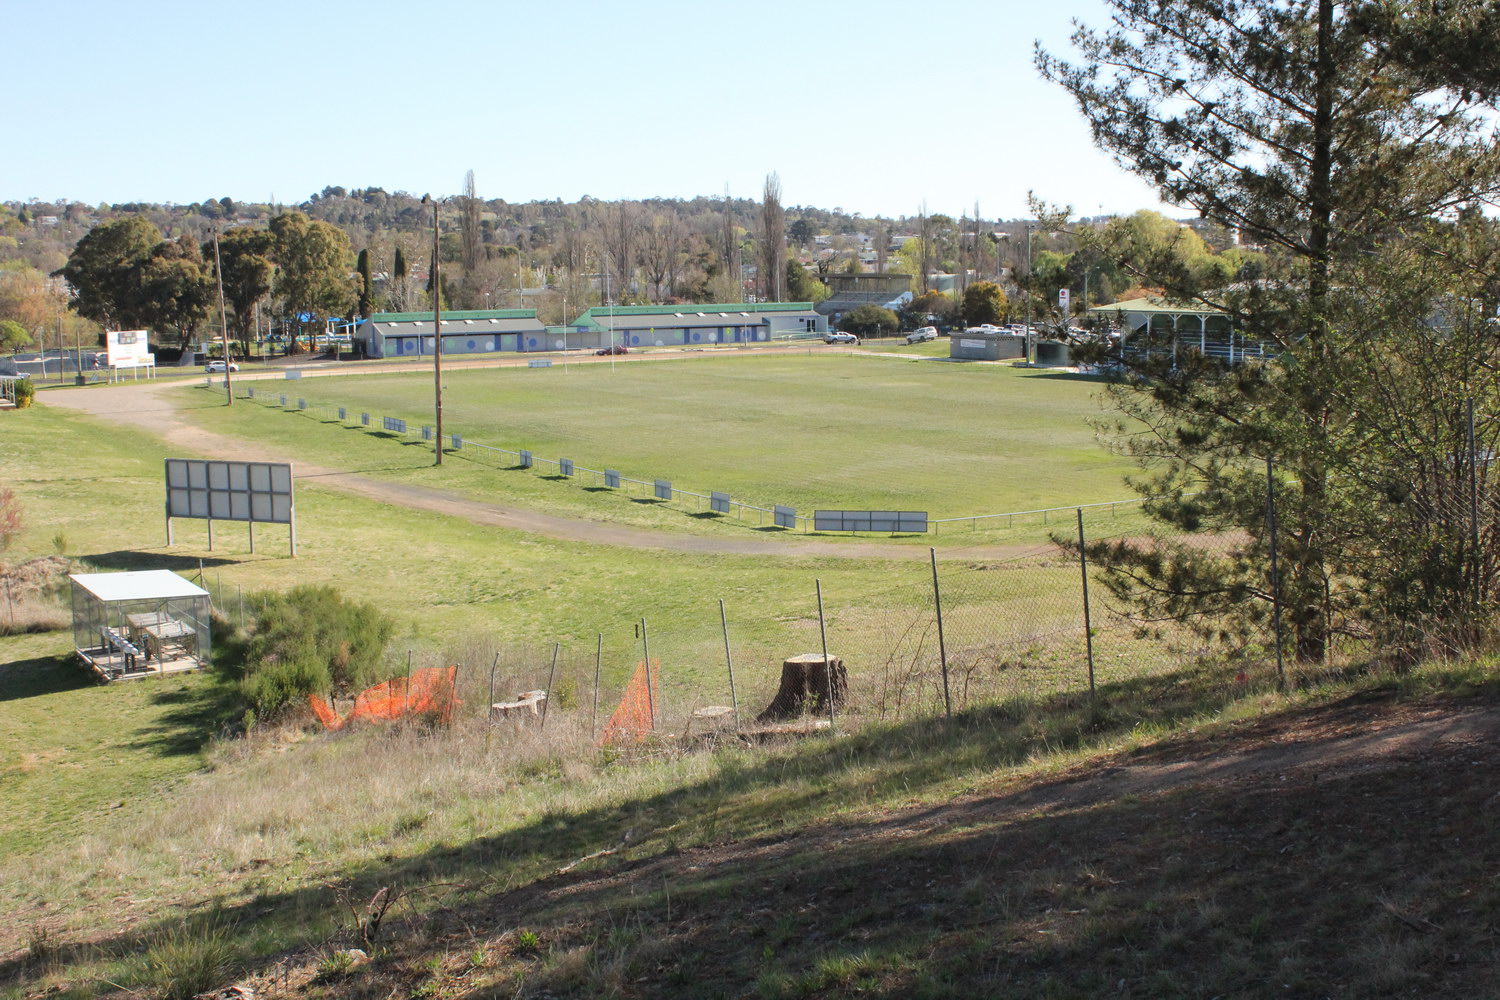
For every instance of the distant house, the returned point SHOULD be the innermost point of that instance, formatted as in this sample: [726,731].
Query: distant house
[716,323]
[471,331]
[889,291]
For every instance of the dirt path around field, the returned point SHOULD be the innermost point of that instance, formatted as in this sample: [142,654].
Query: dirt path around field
[149,406]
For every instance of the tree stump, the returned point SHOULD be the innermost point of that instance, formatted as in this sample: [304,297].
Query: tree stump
[805,687]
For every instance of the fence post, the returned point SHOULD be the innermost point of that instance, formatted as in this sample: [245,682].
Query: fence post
[734,700]
[937,600]
[551,676]
[598,659]
[490,712]
[406,692]
[1088,622]
[1275,570]
[650,695]
[827,667]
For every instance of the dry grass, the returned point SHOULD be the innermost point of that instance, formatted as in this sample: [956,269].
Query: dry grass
[31,596]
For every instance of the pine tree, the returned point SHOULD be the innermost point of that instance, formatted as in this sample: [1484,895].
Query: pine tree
[1291,122]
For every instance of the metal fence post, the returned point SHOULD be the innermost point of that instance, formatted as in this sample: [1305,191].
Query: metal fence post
[937,600]
[734,700]
[490,714]
[1275,570]
[827,667]
[650,695]
[1088,622]
[598,660]
[551,676]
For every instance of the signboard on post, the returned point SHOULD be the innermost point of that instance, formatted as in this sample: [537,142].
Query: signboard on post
[126,348]
[230,491]
[1062,300]
[785,517]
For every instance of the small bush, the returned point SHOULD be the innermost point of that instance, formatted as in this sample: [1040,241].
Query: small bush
[184,962]
[25,393]
[310,640]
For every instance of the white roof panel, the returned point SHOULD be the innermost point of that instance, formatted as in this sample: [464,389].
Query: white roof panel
[145,585]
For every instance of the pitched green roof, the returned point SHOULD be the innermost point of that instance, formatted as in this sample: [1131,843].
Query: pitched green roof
[591,317]
[412,317]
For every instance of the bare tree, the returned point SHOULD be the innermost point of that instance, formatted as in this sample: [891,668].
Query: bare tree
[620,235]
[772,240]
[660,252]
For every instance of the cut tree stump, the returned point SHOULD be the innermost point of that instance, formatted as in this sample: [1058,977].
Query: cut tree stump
[805,687]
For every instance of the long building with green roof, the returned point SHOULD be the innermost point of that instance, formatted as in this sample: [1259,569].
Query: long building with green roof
[700,323]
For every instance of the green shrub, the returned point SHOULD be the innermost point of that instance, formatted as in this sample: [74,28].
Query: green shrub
[183,962]
[25,393]
[869,321]
[310,640]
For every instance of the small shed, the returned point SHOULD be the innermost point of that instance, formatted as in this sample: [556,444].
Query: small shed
[986,345]
[1053,354]
[132,625]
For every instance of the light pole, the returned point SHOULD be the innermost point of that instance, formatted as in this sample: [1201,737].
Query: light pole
[223,319]
[437,335]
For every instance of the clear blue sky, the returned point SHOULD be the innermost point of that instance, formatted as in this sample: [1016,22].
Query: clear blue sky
[869,106]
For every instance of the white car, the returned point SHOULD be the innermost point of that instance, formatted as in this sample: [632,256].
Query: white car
[922,334]
[218,366]
[840,337]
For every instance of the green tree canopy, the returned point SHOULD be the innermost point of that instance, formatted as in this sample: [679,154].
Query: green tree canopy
[1291,122]
[103,270]
[869,321]
[984,302]
[246,257]
[173,289]
[13,336]
[314,262]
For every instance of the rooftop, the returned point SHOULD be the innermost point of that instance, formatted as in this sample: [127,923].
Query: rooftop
[142,585]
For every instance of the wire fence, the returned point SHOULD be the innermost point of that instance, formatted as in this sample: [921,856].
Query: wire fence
[761,515]
[962,631]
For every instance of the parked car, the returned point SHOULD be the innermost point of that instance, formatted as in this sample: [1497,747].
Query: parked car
[218,366]
[616,349]
[922,334]
[839,337]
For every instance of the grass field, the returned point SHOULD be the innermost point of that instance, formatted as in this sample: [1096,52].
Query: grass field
[843,431]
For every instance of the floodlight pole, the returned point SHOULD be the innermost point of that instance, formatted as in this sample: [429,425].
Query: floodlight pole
[223,321]
[437,336]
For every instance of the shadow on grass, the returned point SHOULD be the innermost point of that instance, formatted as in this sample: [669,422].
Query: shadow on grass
[42,675]
[124,559]
[194,715]
[796,785]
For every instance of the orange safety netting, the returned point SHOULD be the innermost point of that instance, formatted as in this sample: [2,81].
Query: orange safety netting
[632,720]
[429,692]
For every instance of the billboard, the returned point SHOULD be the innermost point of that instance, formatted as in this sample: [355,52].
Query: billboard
[902,521]
[229,491]
[126,348]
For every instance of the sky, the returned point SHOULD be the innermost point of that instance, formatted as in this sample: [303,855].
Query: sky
[872,107]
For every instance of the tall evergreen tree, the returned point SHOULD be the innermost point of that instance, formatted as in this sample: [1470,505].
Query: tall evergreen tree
[1294,123]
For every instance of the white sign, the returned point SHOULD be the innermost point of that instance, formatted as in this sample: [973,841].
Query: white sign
[1062,299]
[972,343]
[126,348]
[229,491]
